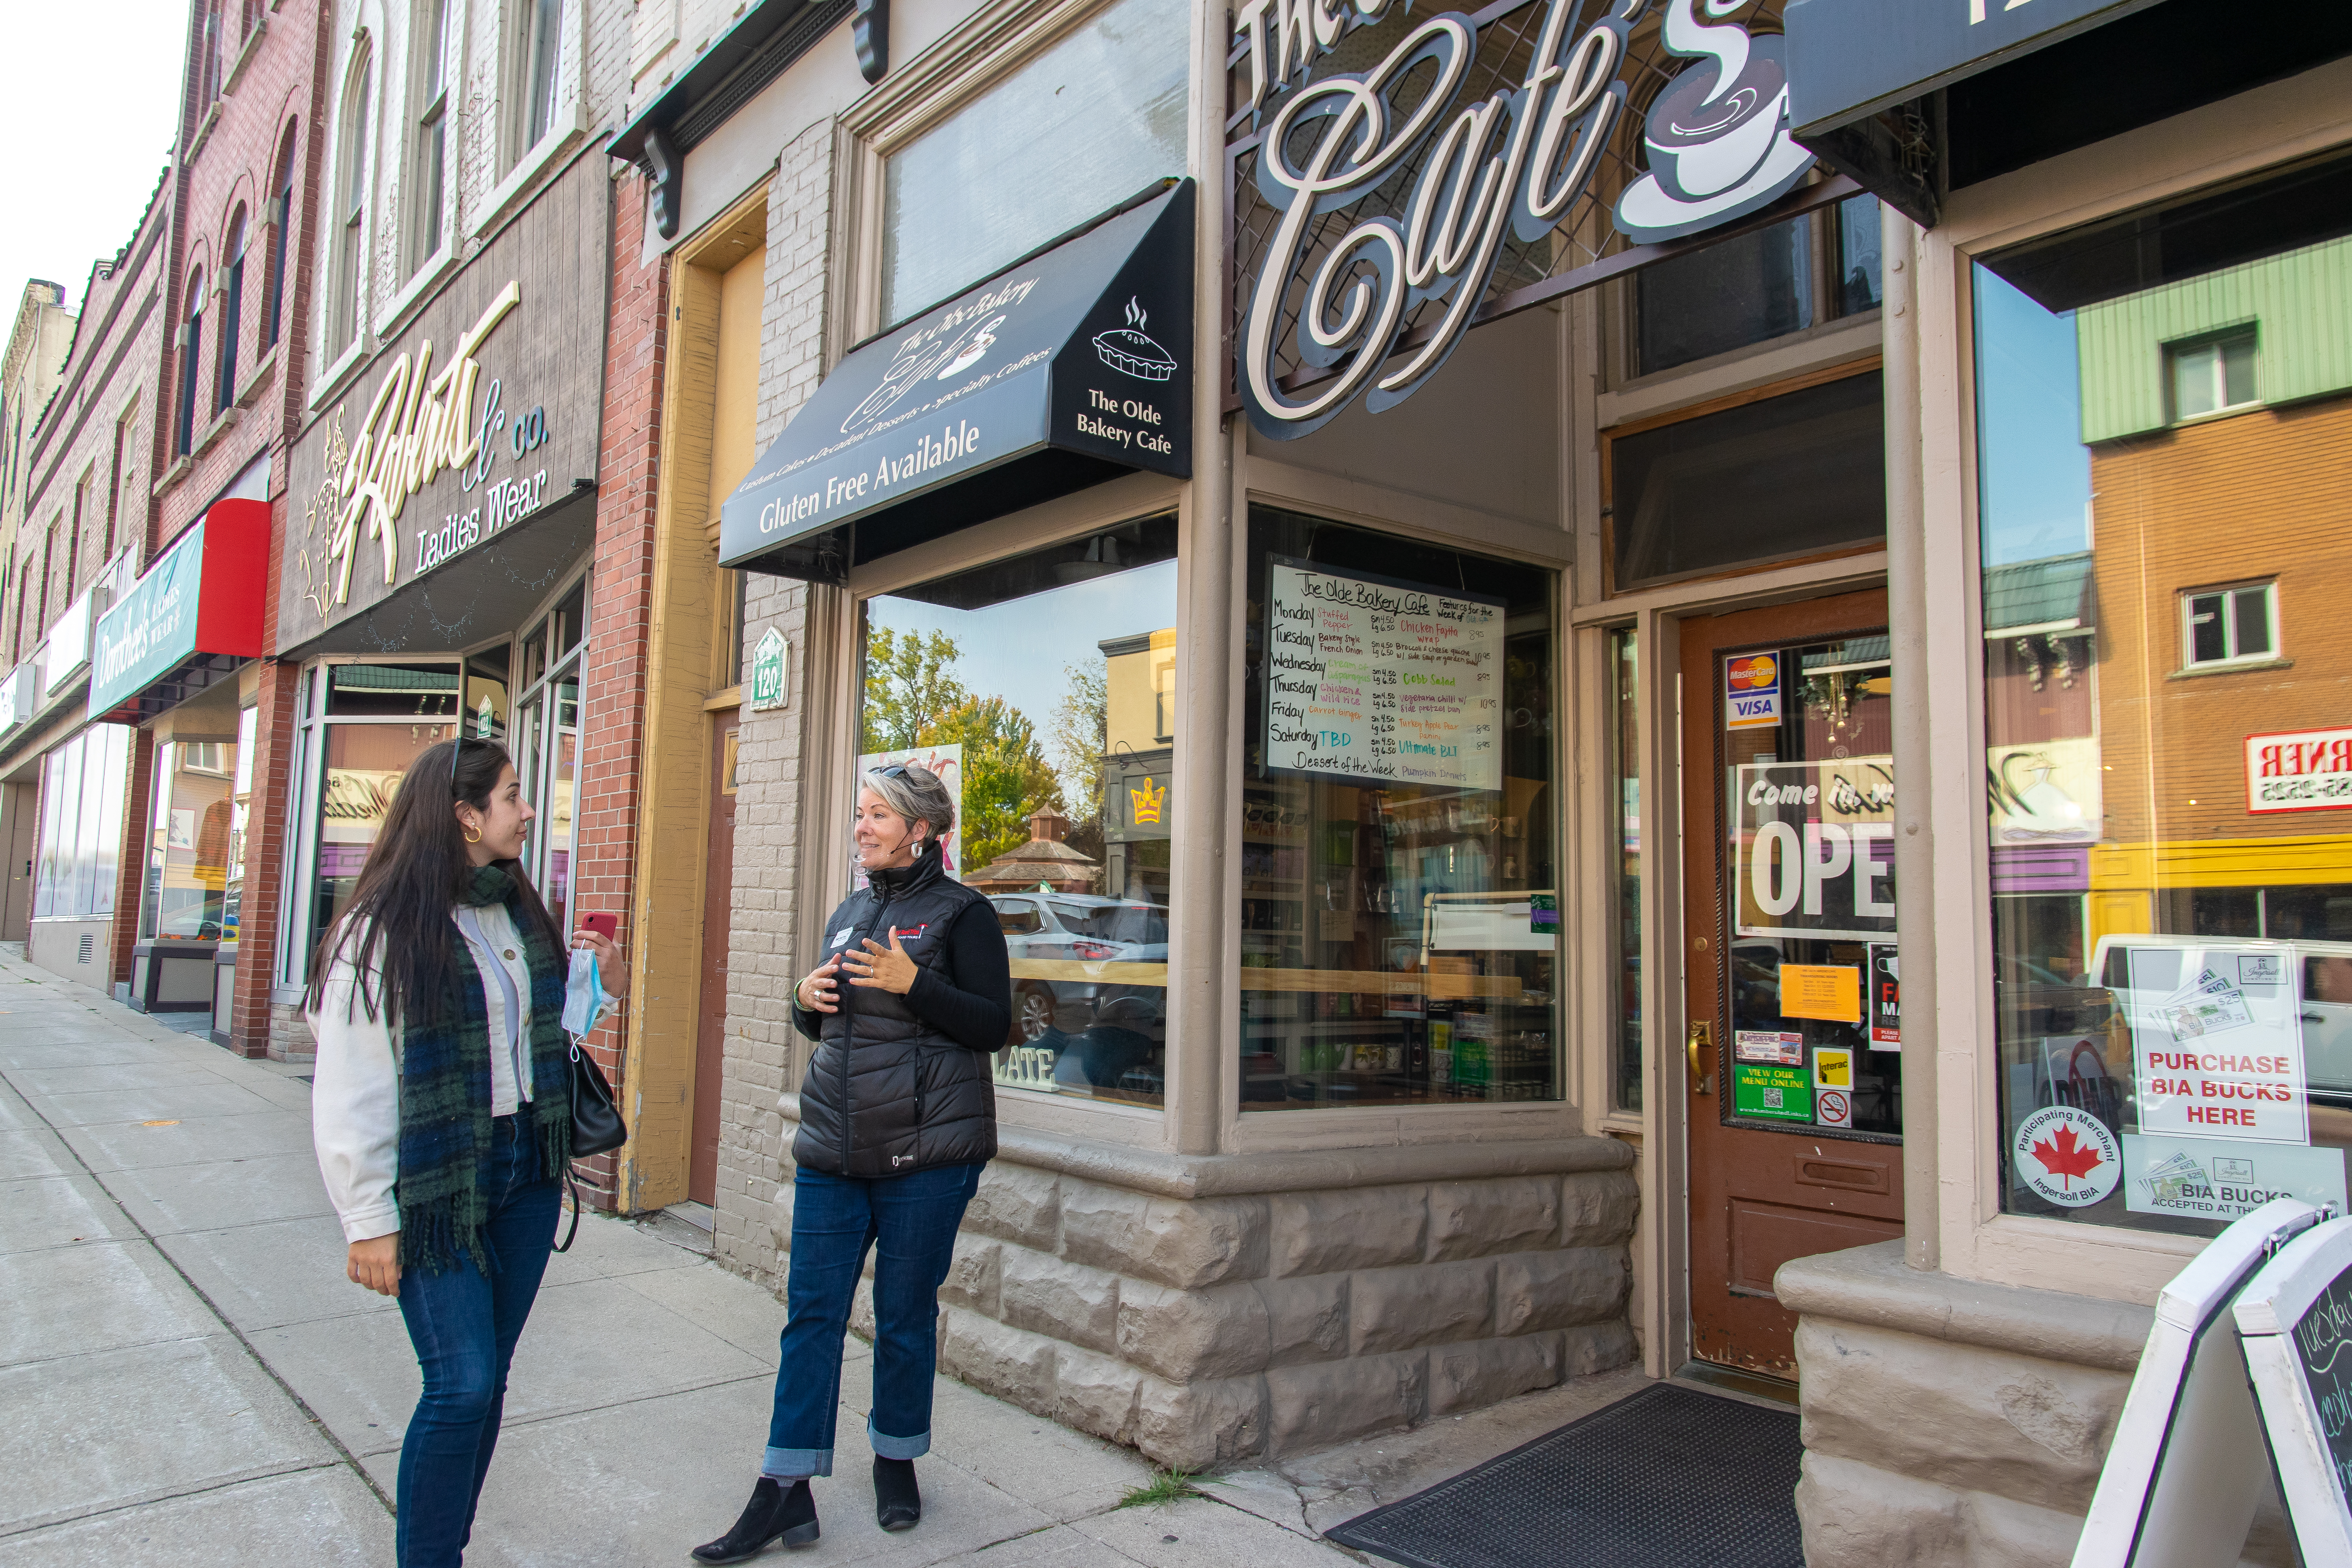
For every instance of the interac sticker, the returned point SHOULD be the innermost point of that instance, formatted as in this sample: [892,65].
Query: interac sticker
[1751,692]
[1833,1086]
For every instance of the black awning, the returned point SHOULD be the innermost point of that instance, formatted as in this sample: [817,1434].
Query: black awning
[483,591]
[1066,369]
[1916,101]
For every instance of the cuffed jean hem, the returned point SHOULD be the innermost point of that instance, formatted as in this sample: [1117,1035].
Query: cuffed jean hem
[799,1464]
[888,1447]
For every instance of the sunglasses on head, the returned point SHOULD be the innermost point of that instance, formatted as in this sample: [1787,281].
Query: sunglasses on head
[895,771]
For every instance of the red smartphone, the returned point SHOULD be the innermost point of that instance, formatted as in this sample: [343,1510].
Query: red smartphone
[603,925]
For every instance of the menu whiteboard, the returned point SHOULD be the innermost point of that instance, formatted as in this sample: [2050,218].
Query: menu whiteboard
[1375,681]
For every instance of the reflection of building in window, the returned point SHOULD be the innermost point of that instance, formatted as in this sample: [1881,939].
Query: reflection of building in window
[2192,668]
[2229,625]
[1138,745]
[2211,376]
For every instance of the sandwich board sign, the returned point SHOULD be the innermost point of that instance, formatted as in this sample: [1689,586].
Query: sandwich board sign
[2186,1470]
[2294,1319]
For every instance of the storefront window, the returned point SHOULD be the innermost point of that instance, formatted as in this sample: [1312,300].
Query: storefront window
[546,740]
[1041,691]
[82,785]
[1401,912]
[241,796]
[995,179]
[192,829]
[2165,538]
[1625,906]
[364,766]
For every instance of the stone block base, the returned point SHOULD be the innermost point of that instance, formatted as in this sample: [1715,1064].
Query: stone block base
[1952,1424]
[1208,1329]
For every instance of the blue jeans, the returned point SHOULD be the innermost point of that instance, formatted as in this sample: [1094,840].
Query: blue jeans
[913,1221]
[464,1326]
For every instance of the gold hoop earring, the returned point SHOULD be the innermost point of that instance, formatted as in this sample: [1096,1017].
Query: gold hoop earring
[474,837]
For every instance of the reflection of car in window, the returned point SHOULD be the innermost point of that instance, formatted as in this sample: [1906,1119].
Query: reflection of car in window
[1078,927]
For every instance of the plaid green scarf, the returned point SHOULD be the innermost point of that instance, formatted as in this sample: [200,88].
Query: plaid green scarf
[445,1095]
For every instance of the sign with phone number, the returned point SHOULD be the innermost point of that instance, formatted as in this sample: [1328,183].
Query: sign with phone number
[2302,770]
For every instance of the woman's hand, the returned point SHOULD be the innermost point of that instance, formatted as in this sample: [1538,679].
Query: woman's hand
[889,968]
[375,1263]
[612,973]
[816,991]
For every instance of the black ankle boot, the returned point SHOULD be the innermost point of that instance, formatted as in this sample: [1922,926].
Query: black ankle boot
[776,1512]
[898,1501]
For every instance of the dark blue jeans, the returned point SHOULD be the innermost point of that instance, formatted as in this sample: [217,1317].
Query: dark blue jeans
[464,1327]
[911,1220]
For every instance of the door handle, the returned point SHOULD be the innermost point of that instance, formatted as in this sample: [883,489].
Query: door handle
[1701,1035]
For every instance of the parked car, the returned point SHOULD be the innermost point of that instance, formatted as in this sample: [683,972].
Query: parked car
[1083,928]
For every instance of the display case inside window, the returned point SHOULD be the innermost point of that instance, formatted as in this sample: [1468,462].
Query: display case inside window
[2172,868]
[1041,689]
[1400,919]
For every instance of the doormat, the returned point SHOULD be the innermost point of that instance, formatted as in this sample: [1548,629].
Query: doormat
[1668,1478]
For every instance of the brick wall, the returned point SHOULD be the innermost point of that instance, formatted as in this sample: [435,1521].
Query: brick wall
[763,960]
[620,599]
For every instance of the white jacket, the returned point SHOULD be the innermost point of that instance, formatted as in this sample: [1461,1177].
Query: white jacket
[355,1085]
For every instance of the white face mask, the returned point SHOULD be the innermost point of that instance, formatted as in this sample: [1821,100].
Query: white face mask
[583,993]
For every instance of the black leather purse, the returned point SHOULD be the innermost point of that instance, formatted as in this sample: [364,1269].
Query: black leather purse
[596,1125]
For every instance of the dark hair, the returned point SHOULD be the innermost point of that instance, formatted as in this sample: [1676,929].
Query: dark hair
[415,871]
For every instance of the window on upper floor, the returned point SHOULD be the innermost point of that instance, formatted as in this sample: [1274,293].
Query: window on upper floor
[191,348]
[281,224]
[2229,626]
[350,279]
[430,153]
[232,321]
[2211,376]
[539,78]
[207,40]
[994,180]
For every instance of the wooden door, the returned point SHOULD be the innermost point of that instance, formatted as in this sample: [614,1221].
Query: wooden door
[717,899]
[1793,1058]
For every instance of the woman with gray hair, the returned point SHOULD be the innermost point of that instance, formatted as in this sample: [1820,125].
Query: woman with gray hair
[898,1116]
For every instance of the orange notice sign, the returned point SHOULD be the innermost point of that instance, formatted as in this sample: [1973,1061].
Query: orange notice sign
[1830,992]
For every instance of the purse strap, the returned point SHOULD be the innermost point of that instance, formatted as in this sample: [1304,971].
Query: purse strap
[570,1186]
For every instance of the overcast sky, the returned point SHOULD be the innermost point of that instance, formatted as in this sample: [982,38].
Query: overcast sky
[89,110]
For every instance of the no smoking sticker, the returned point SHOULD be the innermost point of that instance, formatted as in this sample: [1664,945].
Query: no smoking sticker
[1833,1108]
[2067,1156]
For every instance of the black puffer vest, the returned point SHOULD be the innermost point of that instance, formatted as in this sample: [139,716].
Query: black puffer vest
[886,1094]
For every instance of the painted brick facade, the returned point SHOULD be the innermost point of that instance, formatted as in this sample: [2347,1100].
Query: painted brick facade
[763,1050]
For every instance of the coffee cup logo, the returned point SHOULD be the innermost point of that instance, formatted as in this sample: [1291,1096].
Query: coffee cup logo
[1717,137]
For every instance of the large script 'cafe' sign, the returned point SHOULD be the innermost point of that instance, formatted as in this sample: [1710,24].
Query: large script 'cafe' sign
[478,417]
[1516,161]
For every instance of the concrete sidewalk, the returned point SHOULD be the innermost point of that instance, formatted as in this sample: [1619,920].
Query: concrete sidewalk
[188,1377]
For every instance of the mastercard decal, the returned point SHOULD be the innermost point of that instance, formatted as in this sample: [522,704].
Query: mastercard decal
[1751,692]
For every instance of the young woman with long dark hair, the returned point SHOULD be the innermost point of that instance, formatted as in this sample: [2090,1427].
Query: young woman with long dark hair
[441,1106]
[898,1116]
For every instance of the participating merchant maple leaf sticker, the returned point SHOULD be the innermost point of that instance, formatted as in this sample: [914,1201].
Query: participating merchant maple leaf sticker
[2066,1155]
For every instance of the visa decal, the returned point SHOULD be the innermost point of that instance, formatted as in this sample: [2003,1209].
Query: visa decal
[1751,692]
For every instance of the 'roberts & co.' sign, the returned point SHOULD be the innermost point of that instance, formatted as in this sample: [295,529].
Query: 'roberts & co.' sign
[480,415]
